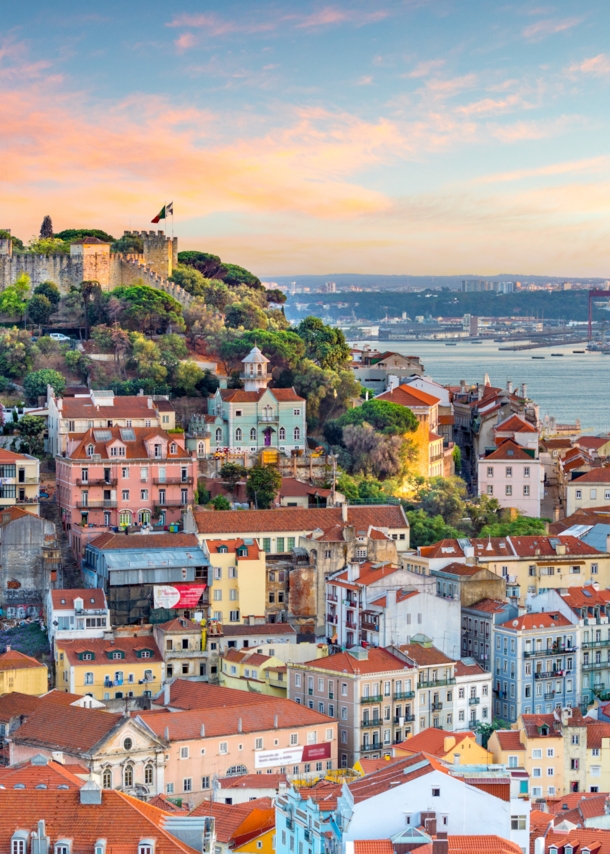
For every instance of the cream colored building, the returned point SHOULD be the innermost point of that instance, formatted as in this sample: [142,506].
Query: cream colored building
[19,481]
[591,489]
[19,672]
[248,670]
[237,579]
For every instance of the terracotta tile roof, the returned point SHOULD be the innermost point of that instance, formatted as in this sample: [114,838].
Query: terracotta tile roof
[425,656]
[163,405]
[582,516]
[201,695]
[398,772]
[463,668]
[434,437]
[254,781]
[103,651]
[9,514]
[323,792]
[489,606]
[254,717]
[444,549]
[245,656]
[597,475]
[371,765]
[463,569]
[229,818]
[238,395]
[509,739]
[15,660]
[125,406]
[297,519]
[15,703]
[93,598]
[61,698]
[109,541]
[370,573]
[12,457]
[407,395]
[179,624]
[135,449]
[569,801]
[432,741]
[285,395]
[121,820]
[509,450]
[595,733]
[539,822]
[263,629]
[497,786]
[163,803]
[596,840]
[373,846]
[293,487]
[232,546]
[484,844]
[585,597]
[68,728]
[446,419]
[378,660]
[533,724]
[49,773]
[527,546]
[592,443]
[546,620]
[515,424]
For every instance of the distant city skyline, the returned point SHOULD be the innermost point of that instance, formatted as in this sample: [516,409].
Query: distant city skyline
[421,137]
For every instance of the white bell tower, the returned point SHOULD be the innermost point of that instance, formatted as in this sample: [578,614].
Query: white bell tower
[254,374]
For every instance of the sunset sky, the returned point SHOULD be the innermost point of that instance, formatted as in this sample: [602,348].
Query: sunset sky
[394,136]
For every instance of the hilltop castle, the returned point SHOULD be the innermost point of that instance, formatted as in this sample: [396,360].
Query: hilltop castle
[91,259]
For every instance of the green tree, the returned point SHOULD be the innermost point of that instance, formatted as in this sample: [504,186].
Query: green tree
[325,345]
[204,324]
[31,431]
[17,243]
[263,485]
[486,729]
[208,384]
[187,379]
[483,511]
[174,344]
[231,474]
[205,263]
[69,235]
[13,299]
[147,309]
[35,384]
[50,291]
[426,530]
[46,229]
[457,459]
[235,276]
[128,244]
[78,363]
[523,526]
[444,496]
[284,349]
[146,356]
[275,295]
[48,246]
[386,417]
[372,453]
[39,310]
[90,295]
[203,496]
[245,314]
[16,352]
[221,502]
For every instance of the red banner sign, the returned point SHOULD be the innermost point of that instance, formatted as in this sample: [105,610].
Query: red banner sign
[314,752]
[178,595]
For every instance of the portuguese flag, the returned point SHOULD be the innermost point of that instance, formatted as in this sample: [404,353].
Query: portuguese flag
[165,211]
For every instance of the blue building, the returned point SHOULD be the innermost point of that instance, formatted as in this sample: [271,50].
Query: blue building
[311,821]
[535,668]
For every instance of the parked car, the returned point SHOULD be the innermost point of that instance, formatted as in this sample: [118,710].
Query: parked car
[59,336]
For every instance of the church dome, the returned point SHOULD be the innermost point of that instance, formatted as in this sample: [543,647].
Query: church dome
[255,356]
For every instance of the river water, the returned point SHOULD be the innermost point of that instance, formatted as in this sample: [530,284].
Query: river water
[569,387]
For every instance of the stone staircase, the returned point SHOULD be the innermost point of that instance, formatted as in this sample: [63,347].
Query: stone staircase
[71,576]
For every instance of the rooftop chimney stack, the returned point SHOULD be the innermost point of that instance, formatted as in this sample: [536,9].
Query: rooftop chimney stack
[202,731]
[166,694]
[276,721]
[344,513]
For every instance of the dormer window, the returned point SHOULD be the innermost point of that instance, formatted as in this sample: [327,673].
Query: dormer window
[100,845]
[157,450]
[222,550]
[90,450]
[19,842]
[146,846]
[242,551]
[145,653]
[62,846]
[172,448]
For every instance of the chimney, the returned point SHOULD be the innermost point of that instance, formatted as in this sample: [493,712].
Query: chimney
[150,403]
[202,733]
[40,840]
[353,570]
[480,391]
[91,794]
[608,542]
[523,390]
[539,845]
[344,513]
[166,694]
[167,733]
[560,548]
[448,743]
[509,386]
[440,845]
[59,403]
[428,820]
[8,648]
[463,385]
[240,725]
[275,721]
[57,756]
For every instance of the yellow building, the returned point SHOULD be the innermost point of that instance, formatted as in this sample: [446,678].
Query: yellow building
[109,669]
[20,481]
[247,670]
[237,580]
[261,842]
[598,758]
[446,746]
[541,752]
[19,672]
[428,444]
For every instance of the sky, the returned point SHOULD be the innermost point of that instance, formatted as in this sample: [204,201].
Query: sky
[394,136]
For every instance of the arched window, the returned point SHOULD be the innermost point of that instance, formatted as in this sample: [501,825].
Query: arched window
[234,770]
[144,517]
[260,370]
[282,433]
[107,778]
[297,434]
[253,434]
[128,776]
[172,448]
[90,450]
[238,434]
[149,775]
[125,518]
[219,434]
[201,449]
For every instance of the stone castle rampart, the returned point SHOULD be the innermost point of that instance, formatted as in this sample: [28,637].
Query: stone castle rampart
[94,261]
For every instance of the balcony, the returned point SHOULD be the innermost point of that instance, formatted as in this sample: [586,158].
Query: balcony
[548,674]
[351,625]
[27,500]
[172,481]
[554,650]
[595,665]
[375,745]
[436,683]
[404,695]
[368,722]
[332,618]
[171,502]
[595,644]
[436,707]
[375,698]
[112,683]
[405,718]
[96,505]
[549,695]
[369,625]
[474,701]
[268,418]
[332,597]
[96,481]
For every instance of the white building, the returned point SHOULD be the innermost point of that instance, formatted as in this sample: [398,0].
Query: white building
[591,489]
[515,476]
[77,614]
[472,695]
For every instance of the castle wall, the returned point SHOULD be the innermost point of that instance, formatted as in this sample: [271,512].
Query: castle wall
[64,270]
[96,265]
[159,251]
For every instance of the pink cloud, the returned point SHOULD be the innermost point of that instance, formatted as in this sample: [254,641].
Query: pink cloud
[549,27]
[598,66]
[185,42]
[424,69]
[591,164]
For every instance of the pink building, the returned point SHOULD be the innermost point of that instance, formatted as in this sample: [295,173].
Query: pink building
[122,477]
[515,476]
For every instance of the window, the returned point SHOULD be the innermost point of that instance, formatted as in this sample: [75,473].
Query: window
[513,761]
[258,744]
[128,744]
[297,434]
[526,471]
[574,570]
[205,782]
[526,489]
[234,618]
[253,434]
[296,411]
[509,489]
[144,495]
[536,754]
[578,494]
[593,569]
[282,433]
[125,494]
[149,775]
[436,793]
[62,848]
[536,772]
[294,738]
[509,471]
[490,471]
[88,678]
[107,779]
[490,489]
[550,752]
[187,784]
[238,433]
[518,822]
[219,434]
[223,747]
[128,776]
[184,753]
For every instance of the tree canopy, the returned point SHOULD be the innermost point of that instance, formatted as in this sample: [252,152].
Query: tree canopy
[35,384]
[386,417]
[147,309]
[325,344]
[263,485]
[72,234]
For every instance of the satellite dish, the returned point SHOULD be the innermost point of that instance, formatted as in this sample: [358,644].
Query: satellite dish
[515,622]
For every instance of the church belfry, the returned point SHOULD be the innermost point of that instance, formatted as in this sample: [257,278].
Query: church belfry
[254,373]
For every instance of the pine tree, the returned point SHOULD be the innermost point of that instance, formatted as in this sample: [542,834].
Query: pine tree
[46,229]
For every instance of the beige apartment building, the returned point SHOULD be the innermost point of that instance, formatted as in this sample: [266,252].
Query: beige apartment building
[19,481]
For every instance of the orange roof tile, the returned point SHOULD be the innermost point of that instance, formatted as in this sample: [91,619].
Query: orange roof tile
[233,545]
[12,659]
[597,475]
[68,728]
[144,541]
[378,660]
[12,457]
[484,844]
[596,840]
[135,449]
[104,650]
[179,624]
[254,781]
[370,765]
[509,739]
[297,519]
[373,846]
[425,655]
[369,573]
[123,406]
[515,424]
[50,774]
[93,598]
[187,695]
[546,620]
[398,772]
[509,450]
[230,817]
[432,741]
[407,395]
[463,668]
[489,606]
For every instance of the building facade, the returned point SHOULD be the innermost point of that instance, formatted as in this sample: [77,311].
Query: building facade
[19,481]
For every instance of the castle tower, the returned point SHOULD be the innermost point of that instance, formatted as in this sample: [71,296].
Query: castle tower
[160,252]
[254,373]
[94,256]
[6,244]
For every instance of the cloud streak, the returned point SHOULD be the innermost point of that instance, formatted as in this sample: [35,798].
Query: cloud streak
[549,27]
